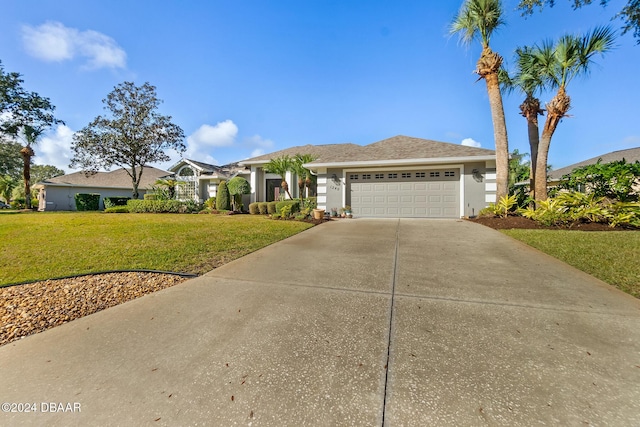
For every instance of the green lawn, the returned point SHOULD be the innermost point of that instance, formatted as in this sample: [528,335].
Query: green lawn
[36,246]
[611,256]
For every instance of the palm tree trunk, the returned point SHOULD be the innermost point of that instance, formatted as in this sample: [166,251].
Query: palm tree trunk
[556,109]
[530,109]
[487,68]
[27,153]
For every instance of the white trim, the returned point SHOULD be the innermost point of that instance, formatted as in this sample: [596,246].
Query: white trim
[399,162]
[490,186]
[490,198]
[321,180]
[321,199]
[490,175]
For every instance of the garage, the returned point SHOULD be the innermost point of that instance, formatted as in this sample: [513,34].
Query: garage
[433,193]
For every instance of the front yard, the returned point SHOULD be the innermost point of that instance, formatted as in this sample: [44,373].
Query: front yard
[611,256]
[39,246]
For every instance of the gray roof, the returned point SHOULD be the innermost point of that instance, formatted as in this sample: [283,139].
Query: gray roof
[114,179]
[208,169]
[396,148]
[631,155]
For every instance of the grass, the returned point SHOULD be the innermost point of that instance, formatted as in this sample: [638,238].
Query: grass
[38,246]
[611,256]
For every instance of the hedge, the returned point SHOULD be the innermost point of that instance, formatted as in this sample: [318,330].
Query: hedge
[254,208]
[262,206]
[110,202]
[295,206]
[87,202]
[271,208]
[155,206]
[117,209]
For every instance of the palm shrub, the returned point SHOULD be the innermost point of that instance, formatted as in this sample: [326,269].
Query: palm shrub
[505,206]
[547,212]
[583,207]
[223,199]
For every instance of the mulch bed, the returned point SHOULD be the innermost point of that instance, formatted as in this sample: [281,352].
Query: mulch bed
[520,222]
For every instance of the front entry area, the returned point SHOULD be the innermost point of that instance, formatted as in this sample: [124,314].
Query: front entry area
[433,193]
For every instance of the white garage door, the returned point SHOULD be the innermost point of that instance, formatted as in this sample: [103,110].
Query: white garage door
[406,194]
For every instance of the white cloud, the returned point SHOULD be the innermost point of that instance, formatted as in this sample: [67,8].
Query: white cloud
[470,142]
[202,141]
[54,42]
[55,149]
[257,152]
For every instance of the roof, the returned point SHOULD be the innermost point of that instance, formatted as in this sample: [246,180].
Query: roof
[631,155]
[396,148]
[118,178]
[208,169]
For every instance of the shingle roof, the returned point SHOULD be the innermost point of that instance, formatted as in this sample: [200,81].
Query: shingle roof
[116,179]
[631,155]
[396,148]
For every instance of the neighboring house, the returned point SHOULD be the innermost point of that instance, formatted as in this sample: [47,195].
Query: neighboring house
[58,194]
[396,177]
[630,155]
[201,180]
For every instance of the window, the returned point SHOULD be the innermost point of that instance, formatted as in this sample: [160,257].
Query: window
[420,174]
[392,175]
[366,176]
[379,176]
[449,173]
[353,177]
[434,174]
[406,174]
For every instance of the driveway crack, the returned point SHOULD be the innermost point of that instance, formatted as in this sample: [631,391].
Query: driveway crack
[394,276]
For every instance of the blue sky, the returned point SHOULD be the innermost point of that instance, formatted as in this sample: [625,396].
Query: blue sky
[247,77]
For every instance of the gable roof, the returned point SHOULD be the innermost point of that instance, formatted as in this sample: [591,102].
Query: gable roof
[211,170]
[118,178]
[631,155]
[398,148]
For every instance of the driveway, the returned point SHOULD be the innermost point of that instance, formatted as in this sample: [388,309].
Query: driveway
[352,323]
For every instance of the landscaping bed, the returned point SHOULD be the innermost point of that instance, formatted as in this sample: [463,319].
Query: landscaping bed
[35,307]
[520,222]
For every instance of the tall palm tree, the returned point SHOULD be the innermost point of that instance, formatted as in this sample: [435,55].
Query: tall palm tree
[528,80]
[31,135]
[479,19]
[571,56]
[280,166]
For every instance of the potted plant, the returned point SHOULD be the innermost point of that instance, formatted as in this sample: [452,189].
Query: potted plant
[347,211]
[334,212]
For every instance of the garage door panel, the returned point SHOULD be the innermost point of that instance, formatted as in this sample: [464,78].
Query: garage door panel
[431,194]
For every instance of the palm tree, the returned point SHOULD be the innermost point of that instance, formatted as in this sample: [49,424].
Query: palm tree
[31,135]
[304,175]
[280,166]
[527,79]
[170,184]
[478,19]
[560,63]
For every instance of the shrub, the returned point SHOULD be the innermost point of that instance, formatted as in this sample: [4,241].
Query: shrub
[505,205]
[285,211]
[254,208]
[110,202]
[151,196]
[237,187]
[271,208]
[155,206]
[210,203]
[87,202]
[117,209]
[262,208]
[223,199]
[294,206]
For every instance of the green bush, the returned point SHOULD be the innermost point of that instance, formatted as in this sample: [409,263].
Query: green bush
[110,202]
[117,209]
[505,205]
[223,199]
[271,208]
[87,202]
[210,203]
[18,203]
[155,206]
[293,207]
[151,196]
[254,208]
[262,207]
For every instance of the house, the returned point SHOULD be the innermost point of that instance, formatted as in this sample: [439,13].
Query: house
[630,155]
[201,180]
[58,194]
[396,177]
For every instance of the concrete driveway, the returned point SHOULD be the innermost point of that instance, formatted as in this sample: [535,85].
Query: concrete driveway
[353,323]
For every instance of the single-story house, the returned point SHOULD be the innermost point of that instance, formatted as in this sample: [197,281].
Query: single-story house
[630,155]
[58,194]
[201,180]
[396,177]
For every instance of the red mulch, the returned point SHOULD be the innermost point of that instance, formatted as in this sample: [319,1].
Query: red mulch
[521,222]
